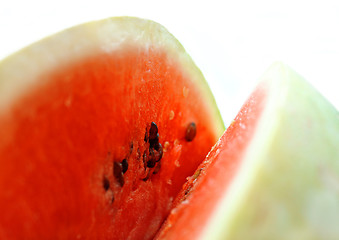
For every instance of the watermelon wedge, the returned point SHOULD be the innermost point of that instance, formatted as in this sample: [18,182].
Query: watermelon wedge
[274,174]
[99,127]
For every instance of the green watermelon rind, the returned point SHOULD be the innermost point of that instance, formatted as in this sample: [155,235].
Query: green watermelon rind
[288,183]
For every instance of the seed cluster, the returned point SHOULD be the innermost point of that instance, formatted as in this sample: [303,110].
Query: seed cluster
[119,169]
[153,154]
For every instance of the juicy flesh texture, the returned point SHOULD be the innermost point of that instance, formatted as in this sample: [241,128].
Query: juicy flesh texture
[58,144]
[198,199]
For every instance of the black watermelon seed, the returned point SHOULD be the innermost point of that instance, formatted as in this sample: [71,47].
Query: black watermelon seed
[151,159]
[105,183]
[153,131]
[124,165]
[191,131]
[117,172]
[152,155]
[154,142]
[151,164]
[158,153]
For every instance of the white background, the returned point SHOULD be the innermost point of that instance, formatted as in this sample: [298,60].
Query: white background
[233,42]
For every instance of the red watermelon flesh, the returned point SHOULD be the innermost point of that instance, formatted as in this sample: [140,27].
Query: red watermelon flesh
[79,115]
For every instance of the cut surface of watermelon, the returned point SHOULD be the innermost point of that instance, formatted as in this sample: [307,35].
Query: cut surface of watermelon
[100,125]
[274,174]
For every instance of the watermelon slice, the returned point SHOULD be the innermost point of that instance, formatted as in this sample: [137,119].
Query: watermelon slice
[100,125]
[274,174]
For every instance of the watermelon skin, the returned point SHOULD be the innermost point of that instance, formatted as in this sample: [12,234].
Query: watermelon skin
[273,174]
[76,105]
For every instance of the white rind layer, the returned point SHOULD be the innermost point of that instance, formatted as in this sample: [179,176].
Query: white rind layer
[288,183]
[22,71]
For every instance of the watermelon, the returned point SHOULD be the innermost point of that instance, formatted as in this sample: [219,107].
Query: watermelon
[100,125]
[274,174]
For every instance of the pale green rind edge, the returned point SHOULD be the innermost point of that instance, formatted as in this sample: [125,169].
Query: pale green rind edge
[288,184]
[20,71]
